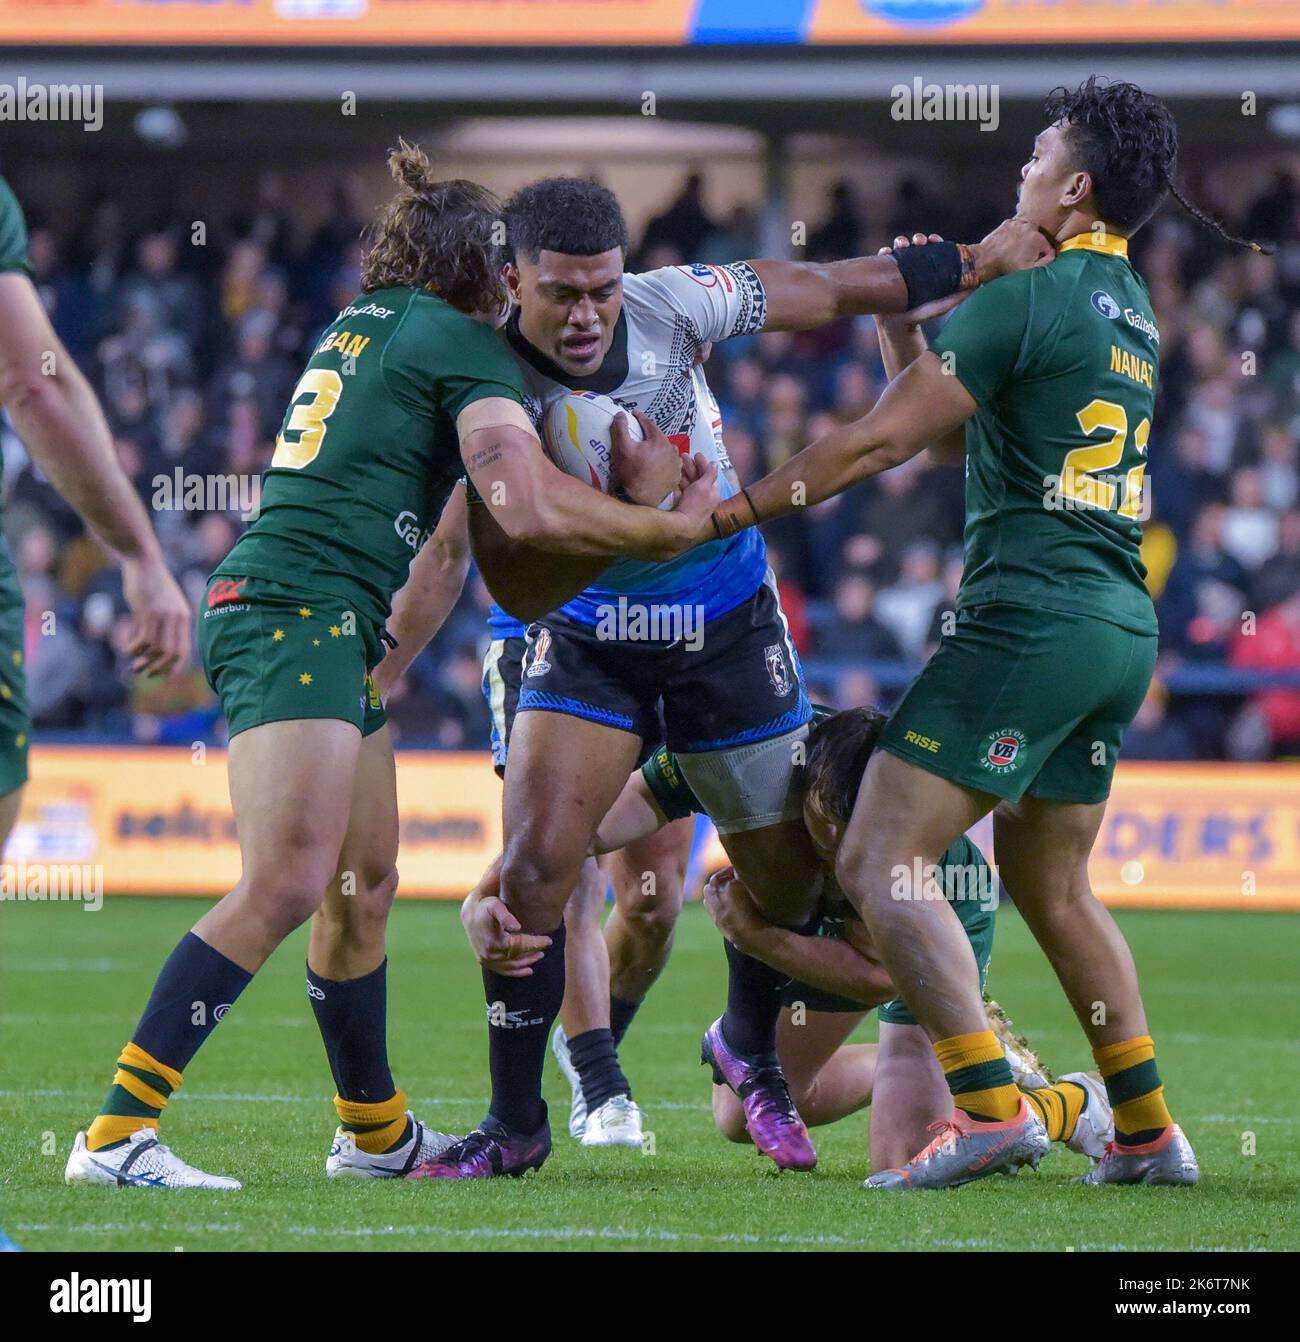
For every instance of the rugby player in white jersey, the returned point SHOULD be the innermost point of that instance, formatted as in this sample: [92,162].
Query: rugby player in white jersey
[721,666]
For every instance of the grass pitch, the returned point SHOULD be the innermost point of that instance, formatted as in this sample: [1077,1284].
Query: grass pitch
[1221,990]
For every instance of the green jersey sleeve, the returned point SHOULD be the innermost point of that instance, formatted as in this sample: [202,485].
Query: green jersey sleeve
[444,360]
[986,334]
[963,866]
[670,790]
[13,233]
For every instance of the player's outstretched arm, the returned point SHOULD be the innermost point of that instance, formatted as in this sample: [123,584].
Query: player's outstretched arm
[902,342]
[433,587]
[535,502]
[57,416]
[922,404]
[803,294]
[823,962]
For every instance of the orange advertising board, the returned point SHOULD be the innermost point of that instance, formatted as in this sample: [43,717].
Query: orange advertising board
[349,22]
[1093,21]
[623,23]
[160,824]
[1216,836]
[1189,836]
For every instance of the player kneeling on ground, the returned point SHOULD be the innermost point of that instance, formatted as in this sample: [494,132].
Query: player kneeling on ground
[834,976]
[837,976]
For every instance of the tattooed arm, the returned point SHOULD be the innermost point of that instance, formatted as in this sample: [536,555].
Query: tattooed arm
[535,502]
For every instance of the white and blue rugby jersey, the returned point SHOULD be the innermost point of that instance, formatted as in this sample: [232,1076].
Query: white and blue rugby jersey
[667,315]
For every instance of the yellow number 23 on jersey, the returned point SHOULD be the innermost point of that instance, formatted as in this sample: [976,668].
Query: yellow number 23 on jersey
[1085,473]
[314,398]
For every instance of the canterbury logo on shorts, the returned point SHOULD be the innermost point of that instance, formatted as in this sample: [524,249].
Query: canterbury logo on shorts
[225,590]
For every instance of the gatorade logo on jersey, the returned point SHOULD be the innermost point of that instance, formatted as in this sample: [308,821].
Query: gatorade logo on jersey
[1105,304]
[1002,749]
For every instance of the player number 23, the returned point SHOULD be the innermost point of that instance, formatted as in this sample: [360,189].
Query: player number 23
[1082,473]
[314,399]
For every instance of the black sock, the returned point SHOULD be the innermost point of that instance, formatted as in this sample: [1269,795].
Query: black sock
[621,1012]
[353,1019]
[754,1000]
[753,1004]
[193,991]
[596,1060]
[520,1013]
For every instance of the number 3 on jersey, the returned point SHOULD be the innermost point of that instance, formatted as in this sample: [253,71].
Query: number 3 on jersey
[1078,480]
[314,398]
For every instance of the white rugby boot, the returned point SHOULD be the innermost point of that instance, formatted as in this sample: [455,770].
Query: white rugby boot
[1167,1160]
[616,1123]
[1095,1128]
[1027,1070]
[578,1103]
[142,1161]
[347,1160]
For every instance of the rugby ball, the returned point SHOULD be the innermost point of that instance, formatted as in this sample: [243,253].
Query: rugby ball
[577,432]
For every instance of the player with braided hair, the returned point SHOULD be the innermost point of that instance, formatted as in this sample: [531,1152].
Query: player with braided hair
[1052,372]
[1128,144]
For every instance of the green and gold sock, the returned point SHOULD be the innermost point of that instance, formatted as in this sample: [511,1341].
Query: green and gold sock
[376,1127]
[141,1088]
[1133,1085]
[979,1076]
[1059,1107]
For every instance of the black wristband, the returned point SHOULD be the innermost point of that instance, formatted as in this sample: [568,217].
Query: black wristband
[930,272]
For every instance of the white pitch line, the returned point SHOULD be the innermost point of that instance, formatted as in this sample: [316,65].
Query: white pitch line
[1245,1118]
[261,1097]
[602,1233]
[13,1019]
[63,965]
[563,1234]
[131,1228]
[433,1101]
[227,1097]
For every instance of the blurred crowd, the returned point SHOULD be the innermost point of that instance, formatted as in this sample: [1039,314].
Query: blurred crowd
[194,350]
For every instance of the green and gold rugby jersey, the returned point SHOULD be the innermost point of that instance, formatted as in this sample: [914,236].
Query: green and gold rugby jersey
[13,260]
[1062,361]
[15,724]
[13,243]
[368,453]
[13,233]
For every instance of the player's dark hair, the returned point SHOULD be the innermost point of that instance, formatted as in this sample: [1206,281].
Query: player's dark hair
[571,215]
[440,236]
[838,750]
[1127,142]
